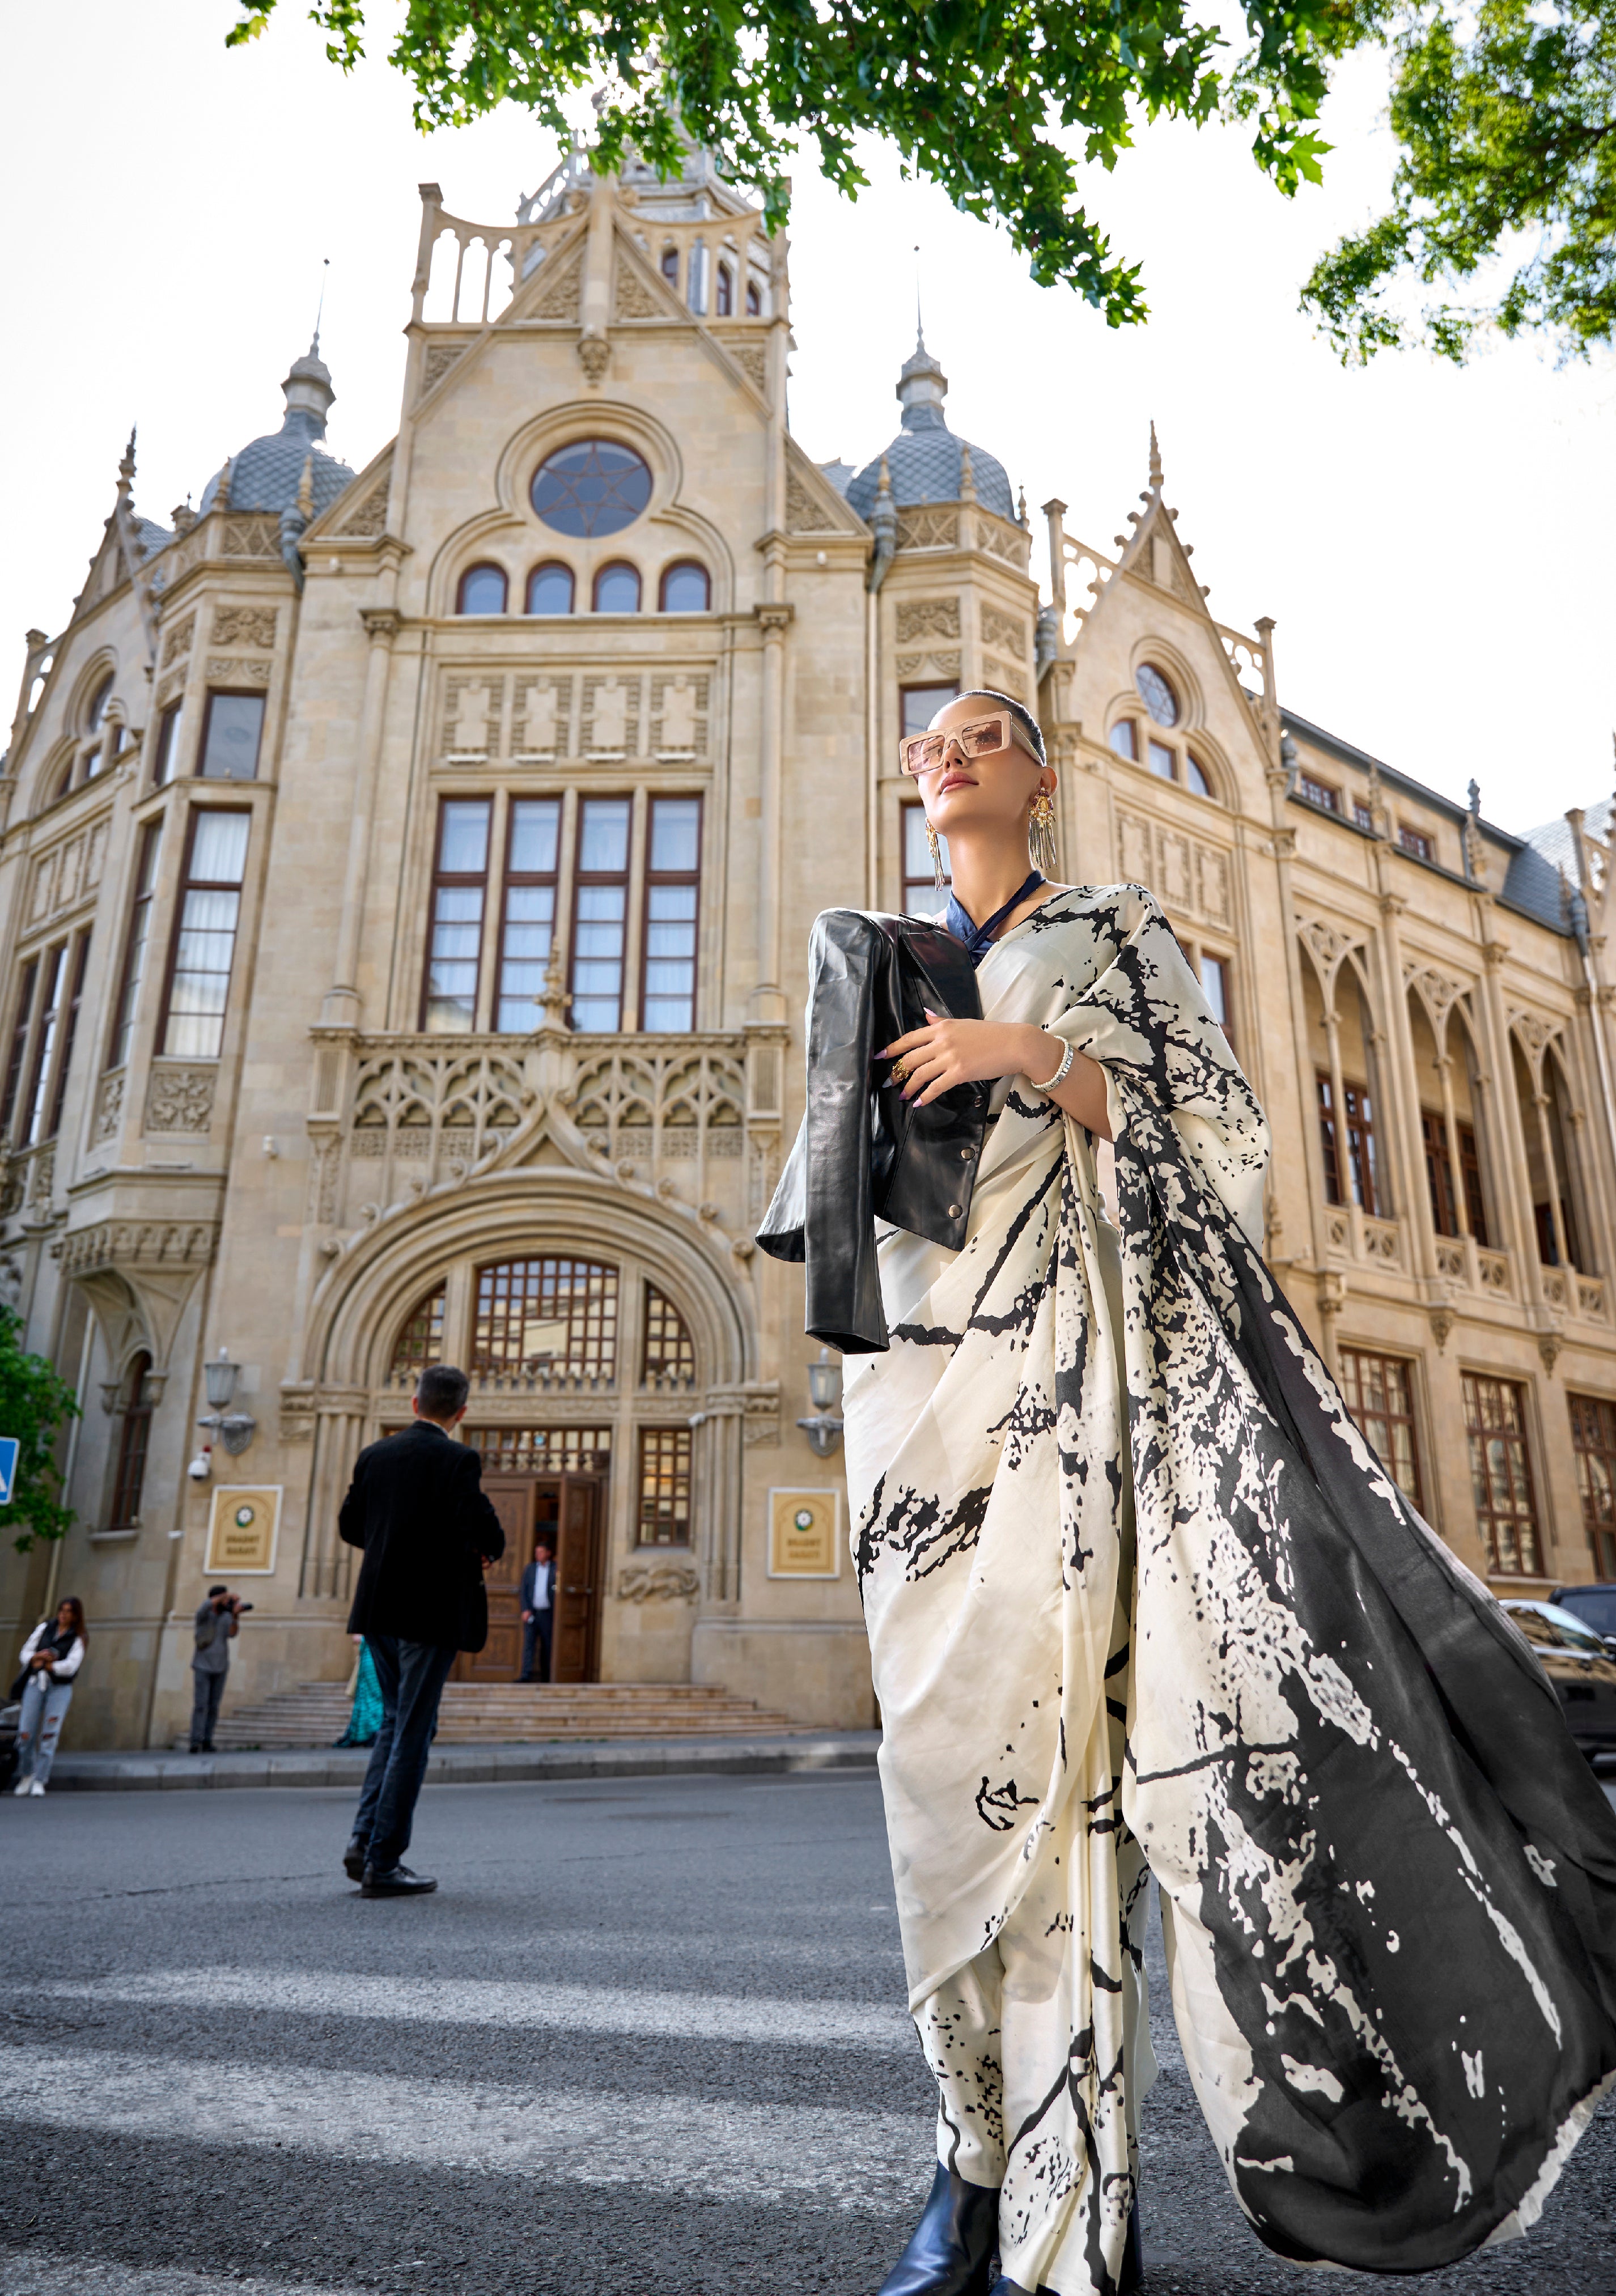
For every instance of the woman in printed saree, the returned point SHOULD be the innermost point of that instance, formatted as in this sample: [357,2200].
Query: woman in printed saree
[1141,1600]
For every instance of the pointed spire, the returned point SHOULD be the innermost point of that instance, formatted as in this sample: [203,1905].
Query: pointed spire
[1155,463]
[922,387]
[126,469]
[967,476]
[1021,518]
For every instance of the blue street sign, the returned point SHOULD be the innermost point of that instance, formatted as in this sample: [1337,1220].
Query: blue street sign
[8,1448]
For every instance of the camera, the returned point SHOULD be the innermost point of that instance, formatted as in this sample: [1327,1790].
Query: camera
[242,1606]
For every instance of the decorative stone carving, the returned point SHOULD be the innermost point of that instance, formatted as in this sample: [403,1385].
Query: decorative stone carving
[610,719]
[928,529]
[180,1099]
[1006,677]
[252,538]
[559,300]
[237,669]
[108,1108]
[136,1244]
[752,360]
[178,641]
[439,358]
[541,716]
[68,873]
[595,356]
[1005,542]
[928,618]
[248,626]
[678,716]
[634,301]
[473,706]
[803,515]
[658,1582]
[1187,874]
[1004,631]
[368,518]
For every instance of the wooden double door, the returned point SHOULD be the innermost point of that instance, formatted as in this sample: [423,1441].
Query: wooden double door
[571,1509]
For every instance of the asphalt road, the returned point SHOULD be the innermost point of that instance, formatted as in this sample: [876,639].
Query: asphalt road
[647,2040]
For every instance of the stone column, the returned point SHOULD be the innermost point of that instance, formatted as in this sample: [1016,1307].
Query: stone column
[1405,1078]
[1516,1195]
[341,1007]
[768,1002]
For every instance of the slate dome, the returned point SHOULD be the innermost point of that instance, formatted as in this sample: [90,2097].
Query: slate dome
[923,461]
[267,474]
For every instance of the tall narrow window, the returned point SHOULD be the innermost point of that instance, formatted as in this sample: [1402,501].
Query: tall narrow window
[1439,1173]
[1162,760]
[1379,1395]
[70,1030]
[167,744]
[918,705]
[617,588]
[1215,982]
[754,301]
[17,1052]
[1362,1166]
[725,304]
[460,886]
[45,1040]
[204,945]
[1594,1441]
[232,732]
[1195,776]
[1501,1473]
[921,897]
[673,863]
[670,266]
[134,948]
[134,1440]
[527,925]
[1124,739]
[599,912]
[1475,1203]
[664,1487]
[669,1356]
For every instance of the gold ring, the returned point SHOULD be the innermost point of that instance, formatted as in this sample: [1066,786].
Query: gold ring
[900,1075]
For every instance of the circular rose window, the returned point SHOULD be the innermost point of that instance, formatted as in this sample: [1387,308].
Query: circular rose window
[592,487]
[1157,695]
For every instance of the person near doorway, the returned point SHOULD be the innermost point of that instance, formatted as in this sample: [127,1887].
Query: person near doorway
[218,1621]
[417,1512]
[537,1611]
[52,1656]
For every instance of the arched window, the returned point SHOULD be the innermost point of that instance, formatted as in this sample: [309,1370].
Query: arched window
[550,589]
[1124,741]
[1157,695]
[482,591]
[134,1437]
[754,301]
[63,782]
[670,266]
[547,1319]
[726,293]
[594,487]
[617,588]
[669,1355]
[421,1340]
[1195,776]
[685,588]
[96,714]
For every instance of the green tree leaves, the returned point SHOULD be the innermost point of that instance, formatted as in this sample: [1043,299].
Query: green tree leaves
[34,1404]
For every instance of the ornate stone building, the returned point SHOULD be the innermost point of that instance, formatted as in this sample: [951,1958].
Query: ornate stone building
[405,887]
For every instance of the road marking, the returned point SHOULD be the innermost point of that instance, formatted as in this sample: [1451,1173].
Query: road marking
[818,2157]
[635,2011]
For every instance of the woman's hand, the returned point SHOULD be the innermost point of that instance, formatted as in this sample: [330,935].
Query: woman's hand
[945,1054]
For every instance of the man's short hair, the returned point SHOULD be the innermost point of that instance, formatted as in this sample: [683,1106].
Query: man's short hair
[212,1591]
[545,1538]
[441,1391]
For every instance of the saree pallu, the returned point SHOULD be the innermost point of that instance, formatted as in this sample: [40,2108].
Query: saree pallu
[1138,1590]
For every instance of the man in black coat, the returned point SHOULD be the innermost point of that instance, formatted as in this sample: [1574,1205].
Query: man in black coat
[416,1509]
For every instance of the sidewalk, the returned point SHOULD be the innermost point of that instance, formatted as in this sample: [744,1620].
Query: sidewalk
[155,1771]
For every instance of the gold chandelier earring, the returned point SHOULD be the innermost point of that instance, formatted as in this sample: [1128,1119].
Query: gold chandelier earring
[1040,834]
[932,839]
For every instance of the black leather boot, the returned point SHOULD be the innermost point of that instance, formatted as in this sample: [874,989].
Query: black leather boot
[356,1857]
[952,2249]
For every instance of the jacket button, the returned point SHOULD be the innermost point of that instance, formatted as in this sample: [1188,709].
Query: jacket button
[954,1211]
[967,1153]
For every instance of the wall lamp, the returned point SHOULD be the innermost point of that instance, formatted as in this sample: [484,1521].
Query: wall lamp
[234,1428]
[824,1433]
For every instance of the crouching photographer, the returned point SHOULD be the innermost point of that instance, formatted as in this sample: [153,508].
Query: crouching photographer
[218,1621]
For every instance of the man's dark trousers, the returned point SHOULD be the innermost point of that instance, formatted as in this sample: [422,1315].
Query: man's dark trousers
[412,1676]
[205,1708]
[537,1629]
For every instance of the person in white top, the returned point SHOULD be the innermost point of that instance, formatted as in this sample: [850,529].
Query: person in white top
[52,1656]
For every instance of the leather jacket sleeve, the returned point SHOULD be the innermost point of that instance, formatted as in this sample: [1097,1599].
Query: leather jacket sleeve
[863,1152]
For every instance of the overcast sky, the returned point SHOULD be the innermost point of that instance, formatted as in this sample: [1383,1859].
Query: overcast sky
[1431,542]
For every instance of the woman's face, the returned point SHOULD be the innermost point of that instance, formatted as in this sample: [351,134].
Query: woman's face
[993,793]
[64,1614]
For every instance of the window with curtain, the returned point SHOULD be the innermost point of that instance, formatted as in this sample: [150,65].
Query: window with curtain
[673,863]
[664,1515]
[193,1023]
[1379,1390]
[600,912]
[1501,1473]
[136,945]
[460,888]
[526,926]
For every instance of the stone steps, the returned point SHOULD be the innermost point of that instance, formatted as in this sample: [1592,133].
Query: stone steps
[482,1714]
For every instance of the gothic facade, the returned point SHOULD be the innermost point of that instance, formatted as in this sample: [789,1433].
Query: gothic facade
[404,890]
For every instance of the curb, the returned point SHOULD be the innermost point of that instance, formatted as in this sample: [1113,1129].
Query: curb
[629,1758]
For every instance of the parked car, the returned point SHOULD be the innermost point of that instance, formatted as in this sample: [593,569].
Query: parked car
[1578,1663]
[1594,1605]
[11,1713]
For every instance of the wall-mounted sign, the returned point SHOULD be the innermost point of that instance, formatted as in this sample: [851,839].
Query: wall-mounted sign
[242,1529]
[804,1534]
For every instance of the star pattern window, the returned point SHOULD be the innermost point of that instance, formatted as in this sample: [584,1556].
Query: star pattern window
[1157,695]
[592,487]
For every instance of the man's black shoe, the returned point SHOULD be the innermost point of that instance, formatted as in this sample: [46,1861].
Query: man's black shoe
[951,2251]
[394,1882]
[356,1857]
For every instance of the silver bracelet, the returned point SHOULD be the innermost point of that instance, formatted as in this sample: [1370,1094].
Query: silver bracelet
[1060,1074]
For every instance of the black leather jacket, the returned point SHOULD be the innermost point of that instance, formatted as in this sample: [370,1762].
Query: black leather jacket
[864,1153]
